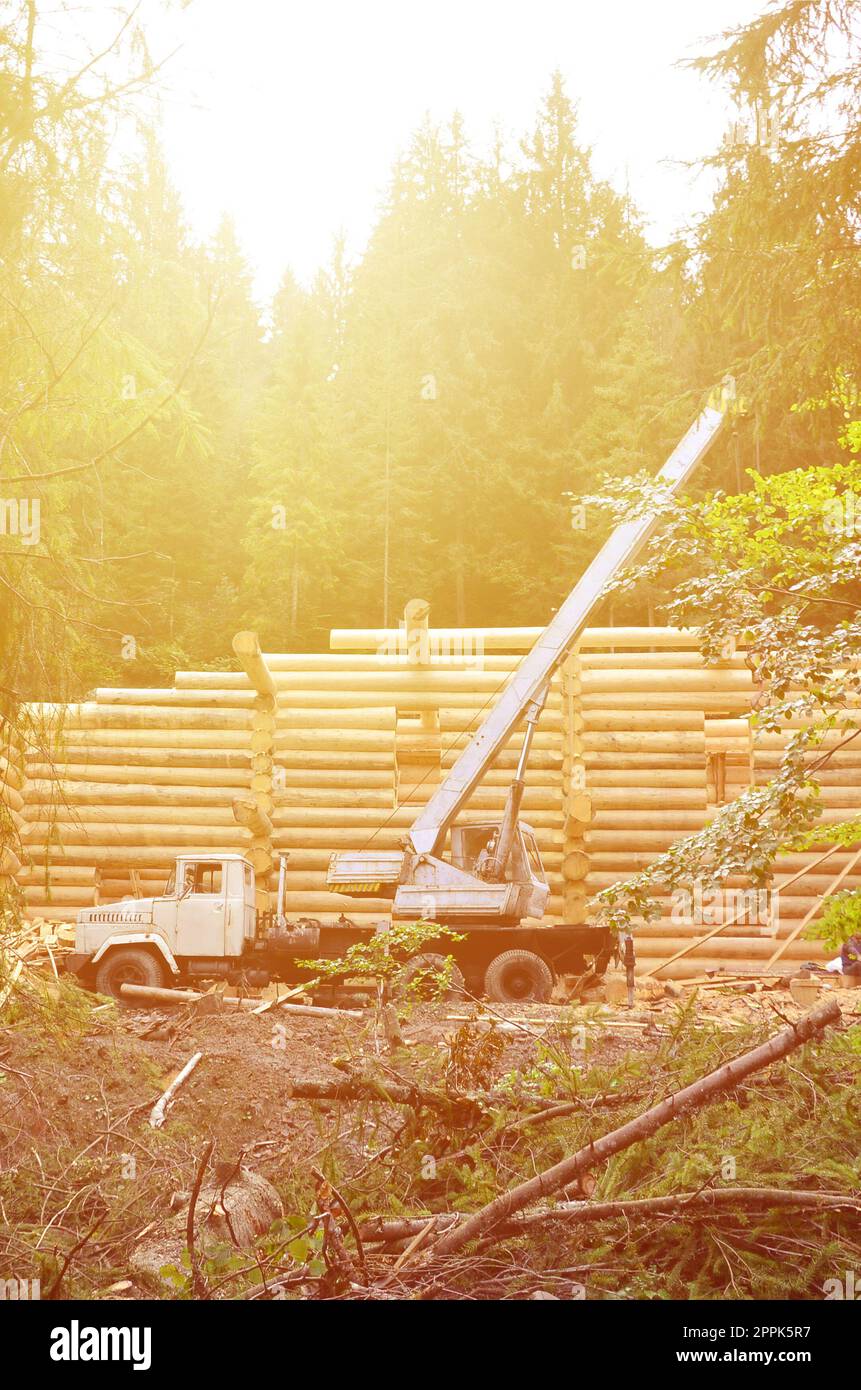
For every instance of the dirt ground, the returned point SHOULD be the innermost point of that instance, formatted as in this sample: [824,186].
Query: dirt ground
[79,1161]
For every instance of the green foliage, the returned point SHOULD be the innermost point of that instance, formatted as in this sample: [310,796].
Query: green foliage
[841,918]
[774,568]
[382,955]
[794,1125]
[224,1270]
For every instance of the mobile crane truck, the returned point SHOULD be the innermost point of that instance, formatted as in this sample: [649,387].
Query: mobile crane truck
[491,886]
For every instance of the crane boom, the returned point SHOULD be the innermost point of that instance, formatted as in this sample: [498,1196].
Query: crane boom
[527,683]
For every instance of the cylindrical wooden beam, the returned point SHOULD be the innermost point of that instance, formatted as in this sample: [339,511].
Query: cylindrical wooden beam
[249,814]
[247,649]
[514,639]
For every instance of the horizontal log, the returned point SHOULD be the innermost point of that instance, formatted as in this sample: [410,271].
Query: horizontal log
[814,884]
[540,760]
[627,842]
[116,856]
[619,860]
[717,700]
[80,875]
[836,774]
[181,740]
[206,698]
[536,799]
[634,778]
[674,743]
[114,862]
[644,721]
[658,661]
[752,910]
[357,748]
[171,838]
[765,742]
[338,798]
[316,698]
[728,728]
[710,680]
[223,778]
[157,814]
[847,798]
[515,639]
[721,949]
[680,822]
[116,889]
[402,817]
[547,781]
[391,836]
[91,716]
[310,663]
[453,742]
[642,798]
[405,681]
[310,777]
[464,721]
[99,762]
[381,717]
[63,895]
[106,794]
[60,915]
[646,761]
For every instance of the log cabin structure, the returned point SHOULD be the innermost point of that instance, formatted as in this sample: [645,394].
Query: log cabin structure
[308,753]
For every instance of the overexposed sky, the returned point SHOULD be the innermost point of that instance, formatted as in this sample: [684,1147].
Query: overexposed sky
[289,115]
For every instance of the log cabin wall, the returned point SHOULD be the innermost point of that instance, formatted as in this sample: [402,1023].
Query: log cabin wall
[12,806]
[638,742]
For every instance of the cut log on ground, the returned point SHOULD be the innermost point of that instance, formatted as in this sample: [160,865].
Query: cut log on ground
[150,994]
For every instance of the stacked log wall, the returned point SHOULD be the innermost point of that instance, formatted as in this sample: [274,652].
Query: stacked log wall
[11,809]
[638,743]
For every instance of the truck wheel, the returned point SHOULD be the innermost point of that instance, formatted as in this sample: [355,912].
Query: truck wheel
[131,966]
[515,976]
[424,964]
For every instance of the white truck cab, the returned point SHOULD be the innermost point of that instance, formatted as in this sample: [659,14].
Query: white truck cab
[206,915]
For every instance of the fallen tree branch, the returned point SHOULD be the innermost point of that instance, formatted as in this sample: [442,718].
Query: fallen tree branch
[198,1281]
[562,1174]
[159,1110]
[379,1231]
[376,1088]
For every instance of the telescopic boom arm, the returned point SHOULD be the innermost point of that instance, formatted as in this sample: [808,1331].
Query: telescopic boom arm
[532,675]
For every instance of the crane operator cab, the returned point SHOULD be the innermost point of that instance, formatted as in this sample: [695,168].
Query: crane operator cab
[472,883]
[469,885]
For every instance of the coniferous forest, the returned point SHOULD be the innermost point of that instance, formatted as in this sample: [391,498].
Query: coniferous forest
[421,420]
